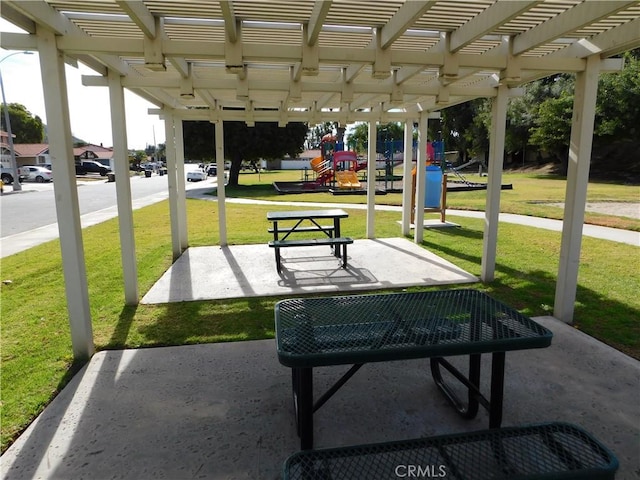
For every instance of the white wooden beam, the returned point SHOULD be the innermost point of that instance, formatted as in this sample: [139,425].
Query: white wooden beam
[488,21]
[140,15]
[180,185]
[421,178]
[584,109]
[56,102]
[310,54]
[316,20]
[230,22]
[233,51]
[153,53]
[10,14]
[123,189]
[609,43]
[44,15]
[407,165]
[172,181]
[572,19]
[221,189]
[402,20]
[381,68]
[371,179]
[494,183]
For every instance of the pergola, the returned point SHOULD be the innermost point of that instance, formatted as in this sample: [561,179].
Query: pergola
[313,61]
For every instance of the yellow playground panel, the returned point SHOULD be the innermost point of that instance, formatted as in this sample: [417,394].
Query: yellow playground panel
[347,179]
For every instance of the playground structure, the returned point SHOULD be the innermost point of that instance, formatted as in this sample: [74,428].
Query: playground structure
[341,172]
[336,167]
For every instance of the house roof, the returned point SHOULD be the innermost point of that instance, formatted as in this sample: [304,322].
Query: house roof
[323,60]
[97,149]
[30,149]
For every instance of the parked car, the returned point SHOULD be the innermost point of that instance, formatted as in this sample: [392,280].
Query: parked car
[196,175]
[212,170]
[36,174]
[91,166]
[6,175]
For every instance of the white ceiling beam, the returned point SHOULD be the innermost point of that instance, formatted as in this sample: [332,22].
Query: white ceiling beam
[153,53]
[17,18]
[316,20]
[233,51]
[208,98]
[43,14]
[606,44]
[382,64]
[140,15]
[402,20]
[487,21]
[230,22]
[18,41]
[310,54]
[572,19]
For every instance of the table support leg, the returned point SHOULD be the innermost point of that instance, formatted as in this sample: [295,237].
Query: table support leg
[497,389]
[470,410]
[303,403]
[475,398]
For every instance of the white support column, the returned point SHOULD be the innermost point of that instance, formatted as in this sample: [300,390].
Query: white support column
[222,208]
[123,188]
[56,102]
[181,192]
[406,177]
[421,178]
[584,107]
[172,181]
[371,179]
[494,183]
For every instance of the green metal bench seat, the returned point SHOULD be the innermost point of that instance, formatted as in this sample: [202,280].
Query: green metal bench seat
[545,451]
[311,242]
[313,228]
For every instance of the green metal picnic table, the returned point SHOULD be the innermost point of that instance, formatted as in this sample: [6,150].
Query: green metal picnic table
[358,329]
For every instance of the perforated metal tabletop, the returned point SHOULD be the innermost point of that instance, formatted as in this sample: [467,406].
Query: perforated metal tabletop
[369,328]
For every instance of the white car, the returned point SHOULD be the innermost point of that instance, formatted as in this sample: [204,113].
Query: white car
[36,174]
[196,175]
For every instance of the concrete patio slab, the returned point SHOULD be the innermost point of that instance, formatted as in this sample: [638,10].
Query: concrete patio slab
[207,273]
[224,411]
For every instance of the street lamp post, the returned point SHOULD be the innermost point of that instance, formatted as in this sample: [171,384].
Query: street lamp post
[14,167]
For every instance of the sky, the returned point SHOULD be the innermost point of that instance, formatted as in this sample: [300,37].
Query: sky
[88,106]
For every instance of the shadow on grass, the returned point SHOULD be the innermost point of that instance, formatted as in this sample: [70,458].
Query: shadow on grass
[251,191]
[123,327]
[184,323]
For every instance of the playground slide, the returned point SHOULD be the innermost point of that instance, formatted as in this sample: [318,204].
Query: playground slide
[316,164]
[348,179]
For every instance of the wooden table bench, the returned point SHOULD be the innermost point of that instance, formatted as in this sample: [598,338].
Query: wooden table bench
[358,329]
[545,451]
[304,222]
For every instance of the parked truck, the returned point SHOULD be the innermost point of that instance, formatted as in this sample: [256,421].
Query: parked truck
[6,173]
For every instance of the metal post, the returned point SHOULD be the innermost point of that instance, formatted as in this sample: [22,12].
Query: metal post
[16,186]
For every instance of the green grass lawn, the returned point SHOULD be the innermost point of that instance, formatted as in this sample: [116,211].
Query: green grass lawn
[532,194]
[36,346]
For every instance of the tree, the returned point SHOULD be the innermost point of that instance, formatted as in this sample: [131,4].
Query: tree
[266,140]
[618,107]
[26,127]
[464,128]
[385,132]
